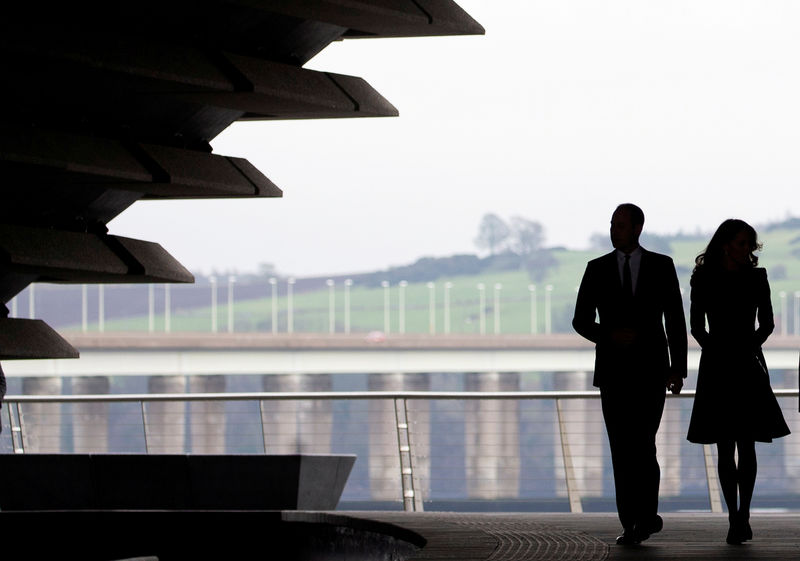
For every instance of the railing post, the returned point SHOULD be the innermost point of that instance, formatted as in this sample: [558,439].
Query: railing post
[412,462]
[261,423]
[20,430]
[10,423]
[16,429]
[711,478]
[412,499]
[144,428]
[569,471]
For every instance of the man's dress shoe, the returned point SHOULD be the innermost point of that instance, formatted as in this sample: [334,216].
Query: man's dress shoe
[644,531]
[628,537]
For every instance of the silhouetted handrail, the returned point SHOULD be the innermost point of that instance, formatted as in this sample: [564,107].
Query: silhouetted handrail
[411,496]
[266,396]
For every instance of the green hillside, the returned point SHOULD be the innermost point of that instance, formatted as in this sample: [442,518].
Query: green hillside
[311,309]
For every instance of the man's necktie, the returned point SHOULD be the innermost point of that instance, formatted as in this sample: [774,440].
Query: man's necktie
[627,285]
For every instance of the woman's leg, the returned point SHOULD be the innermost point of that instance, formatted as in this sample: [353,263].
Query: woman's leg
[728,480]
[748,466]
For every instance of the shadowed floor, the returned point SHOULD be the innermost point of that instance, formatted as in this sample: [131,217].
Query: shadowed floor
[513,537]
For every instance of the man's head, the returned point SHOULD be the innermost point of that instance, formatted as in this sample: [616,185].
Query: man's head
[626,226]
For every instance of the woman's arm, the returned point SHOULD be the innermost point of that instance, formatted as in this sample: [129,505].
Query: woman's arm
[697,312]
[766,321]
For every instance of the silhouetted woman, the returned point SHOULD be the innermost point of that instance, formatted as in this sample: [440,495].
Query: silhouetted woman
[734,406]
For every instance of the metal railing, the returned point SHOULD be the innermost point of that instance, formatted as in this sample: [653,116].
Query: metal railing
[419,446]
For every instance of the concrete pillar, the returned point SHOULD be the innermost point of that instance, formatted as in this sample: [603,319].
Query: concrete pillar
[294,426]
[90,420]
[491,436]
[586,437]
[41,422]
[207,425]
[166,420]
[315,417]
[279,418]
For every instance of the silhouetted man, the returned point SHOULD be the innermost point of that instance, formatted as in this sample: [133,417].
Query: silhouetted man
[625,301]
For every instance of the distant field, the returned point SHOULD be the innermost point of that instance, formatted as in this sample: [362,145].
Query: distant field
[311,309]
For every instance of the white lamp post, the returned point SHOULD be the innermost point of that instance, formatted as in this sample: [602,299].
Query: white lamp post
[331,306]
[447,286]
[548,310]
[84,308]
[167,309]
[214,326]
[386,302]
[784,314]
[347,284]
[482,307]
[231,282]
[274,284]
[431,308]
[32,301]
[101,307]
[797,312]
[402,305]
[151,308]
[289,305]
[497,288]
[532,290]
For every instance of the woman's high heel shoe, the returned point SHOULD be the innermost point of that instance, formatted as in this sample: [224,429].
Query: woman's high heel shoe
[745,532]
[734,531]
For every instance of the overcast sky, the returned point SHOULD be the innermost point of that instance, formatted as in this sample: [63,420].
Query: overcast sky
[561,111]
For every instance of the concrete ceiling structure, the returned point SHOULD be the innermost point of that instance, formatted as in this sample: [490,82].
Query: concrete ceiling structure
[109,103]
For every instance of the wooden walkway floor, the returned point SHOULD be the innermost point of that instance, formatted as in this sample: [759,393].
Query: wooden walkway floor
[517,537]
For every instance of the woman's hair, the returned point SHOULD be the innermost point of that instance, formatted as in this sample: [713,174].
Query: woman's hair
[713,256]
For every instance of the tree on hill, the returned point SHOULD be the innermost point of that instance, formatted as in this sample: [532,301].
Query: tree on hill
[791,223]
[527,240]
[527,236]
[425,269]
[599,242]
[653,242]
[492,233]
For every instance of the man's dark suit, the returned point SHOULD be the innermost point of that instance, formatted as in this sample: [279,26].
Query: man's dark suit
[632,378]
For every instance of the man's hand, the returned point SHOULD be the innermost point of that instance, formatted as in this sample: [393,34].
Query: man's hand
[675,384]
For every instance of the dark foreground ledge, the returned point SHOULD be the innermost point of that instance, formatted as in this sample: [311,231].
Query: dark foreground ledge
[203,535]
[172,481]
